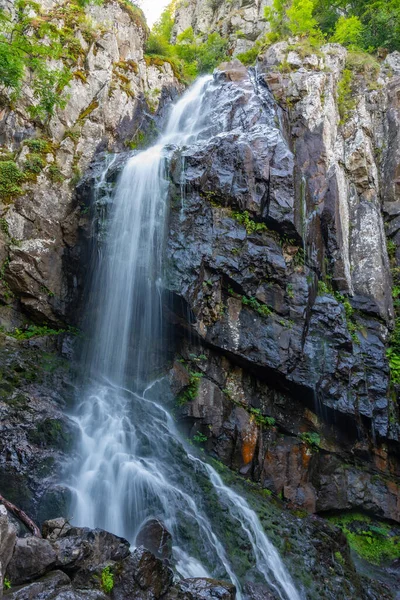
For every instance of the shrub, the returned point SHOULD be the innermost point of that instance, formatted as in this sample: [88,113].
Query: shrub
[10,178]
[348,31]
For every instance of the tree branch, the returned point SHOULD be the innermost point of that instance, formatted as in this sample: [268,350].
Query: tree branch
[21,516]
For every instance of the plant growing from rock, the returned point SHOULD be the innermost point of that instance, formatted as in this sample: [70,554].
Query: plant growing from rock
[107,580]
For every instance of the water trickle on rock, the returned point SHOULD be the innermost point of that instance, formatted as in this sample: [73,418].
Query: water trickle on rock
[134,465]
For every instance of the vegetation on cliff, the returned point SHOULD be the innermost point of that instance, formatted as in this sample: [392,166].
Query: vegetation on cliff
[368,26]
[190,55]
[40,49]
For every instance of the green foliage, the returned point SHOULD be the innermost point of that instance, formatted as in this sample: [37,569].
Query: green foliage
[55,174]
[346,102]
[348,31]
[249,58]
[261,309]
[190,55]
[200,438]
[277,18]
[365,24]
[10,179]
[6,583]
[301,19]
[251,226]
[32,331]
[339,558]
[260,419]
[311,438]
[34,164]
[107,580]
[190,392]
[374,541]
[39,145]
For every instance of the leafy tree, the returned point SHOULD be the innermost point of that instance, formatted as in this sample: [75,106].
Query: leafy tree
[348,31]
[301,19]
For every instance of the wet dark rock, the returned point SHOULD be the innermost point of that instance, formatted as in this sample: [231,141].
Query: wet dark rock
[32,558]
[155,537]
[202,589]
[36,435]
[45,588]
[142,575]
[80,548]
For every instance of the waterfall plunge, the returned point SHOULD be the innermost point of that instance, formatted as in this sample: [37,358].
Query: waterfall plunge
[134,465]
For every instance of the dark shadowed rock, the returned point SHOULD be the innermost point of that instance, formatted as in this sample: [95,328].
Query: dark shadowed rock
[32,558]
[142,575]
[46,587]
[156,538]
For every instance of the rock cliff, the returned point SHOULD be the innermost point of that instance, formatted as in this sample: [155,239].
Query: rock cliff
[240,21]
[282,267]
[280,257]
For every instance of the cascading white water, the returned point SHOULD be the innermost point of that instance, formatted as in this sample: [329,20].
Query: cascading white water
[134,465]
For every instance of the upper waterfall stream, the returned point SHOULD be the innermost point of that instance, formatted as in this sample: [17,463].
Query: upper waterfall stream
[134,464]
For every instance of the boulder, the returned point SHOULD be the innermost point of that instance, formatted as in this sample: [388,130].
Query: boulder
[156,538]
[7,542]
[42,589]
[142,575]
[202,589]
[85,548]
[55,528]
[32,558]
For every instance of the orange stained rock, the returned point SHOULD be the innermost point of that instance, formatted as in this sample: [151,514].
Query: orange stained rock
[249,442]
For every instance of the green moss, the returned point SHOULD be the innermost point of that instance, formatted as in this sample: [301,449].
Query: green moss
[107,580]
[55,174]
[374,541]
[88,110]
[10,179]
[312,439]
[39,145]
[345,98]
[33,165]
[50,432]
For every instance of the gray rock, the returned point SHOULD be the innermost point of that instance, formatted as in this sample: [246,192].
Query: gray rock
[82,548]
[32,558]
[7,542]
[45,588]
[202,589]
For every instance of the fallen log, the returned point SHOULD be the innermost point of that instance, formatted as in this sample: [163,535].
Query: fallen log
[21,516]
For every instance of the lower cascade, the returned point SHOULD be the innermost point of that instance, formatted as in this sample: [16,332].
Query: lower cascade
[134,464]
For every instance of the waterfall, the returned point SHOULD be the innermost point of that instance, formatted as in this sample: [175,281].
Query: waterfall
[134,465]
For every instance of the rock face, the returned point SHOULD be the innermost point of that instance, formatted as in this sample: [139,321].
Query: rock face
[79,564]
[279,255]
[109,103]
[240,21]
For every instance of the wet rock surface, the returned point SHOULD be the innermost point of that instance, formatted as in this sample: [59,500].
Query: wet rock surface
[89,564]
[273,286]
